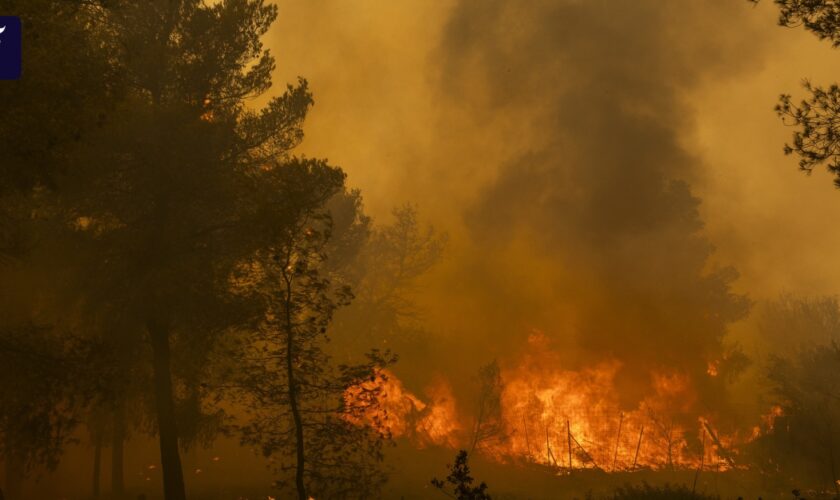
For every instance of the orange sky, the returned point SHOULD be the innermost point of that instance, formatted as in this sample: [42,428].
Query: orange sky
[385,113]
[373,67]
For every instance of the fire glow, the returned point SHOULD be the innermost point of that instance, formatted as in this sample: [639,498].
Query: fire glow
[569,419]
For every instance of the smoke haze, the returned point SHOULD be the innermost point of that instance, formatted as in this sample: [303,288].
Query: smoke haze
[595,163]
[611,179]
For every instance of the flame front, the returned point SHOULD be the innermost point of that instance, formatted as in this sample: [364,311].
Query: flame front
[573,419]
[568,419]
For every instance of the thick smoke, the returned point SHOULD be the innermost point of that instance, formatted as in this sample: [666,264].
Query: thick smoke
[597,212]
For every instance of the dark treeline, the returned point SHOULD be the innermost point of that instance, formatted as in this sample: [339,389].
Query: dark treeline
[164,252]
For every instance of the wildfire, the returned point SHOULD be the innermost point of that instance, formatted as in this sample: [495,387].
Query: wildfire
[573,419]
[566,419]
[713,368]
[769,419]
[768,422]
[402,414]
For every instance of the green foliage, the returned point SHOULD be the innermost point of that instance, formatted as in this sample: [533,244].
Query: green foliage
[459,482]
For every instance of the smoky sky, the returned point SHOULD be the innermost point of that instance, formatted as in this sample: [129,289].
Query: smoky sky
[603,202]
[603,168]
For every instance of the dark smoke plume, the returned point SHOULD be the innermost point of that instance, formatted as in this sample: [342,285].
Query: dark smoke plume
[599,209]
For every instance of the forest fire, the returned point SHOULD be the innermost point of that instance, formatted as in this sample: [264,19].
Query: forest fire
[567,419]
[402,414]
[345,301]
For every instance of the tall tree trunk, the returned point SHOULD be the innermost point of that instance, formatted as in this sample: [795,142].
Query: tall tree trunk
[97,459]
[118,451]
[170,458]
[300,485]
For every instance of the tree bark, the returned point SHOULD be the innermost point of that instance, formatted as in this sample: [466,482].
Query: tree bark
[300,484]
[118,451]
[170,458]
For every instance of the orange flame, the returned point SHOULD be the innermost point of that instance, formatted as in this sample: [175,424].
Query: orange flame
[568,419]
[402,414]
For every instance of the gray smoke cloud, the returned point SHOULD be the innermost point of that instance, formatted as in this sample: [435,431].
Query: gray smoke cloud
[597,210]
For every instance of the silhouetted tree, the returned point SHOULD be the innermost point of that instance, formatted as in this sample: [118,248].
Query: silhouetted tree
[384,273]
[130,134]
[43,383]
[488,425]
[63,95]
[804,441]
[65,92]
[459,482]
[800,333]
[816,140]
[165,187]
[38,411]
[301,416]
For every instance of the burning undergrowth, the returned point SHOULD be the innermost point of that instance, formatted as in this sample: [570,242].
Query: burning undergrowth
[533,410]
